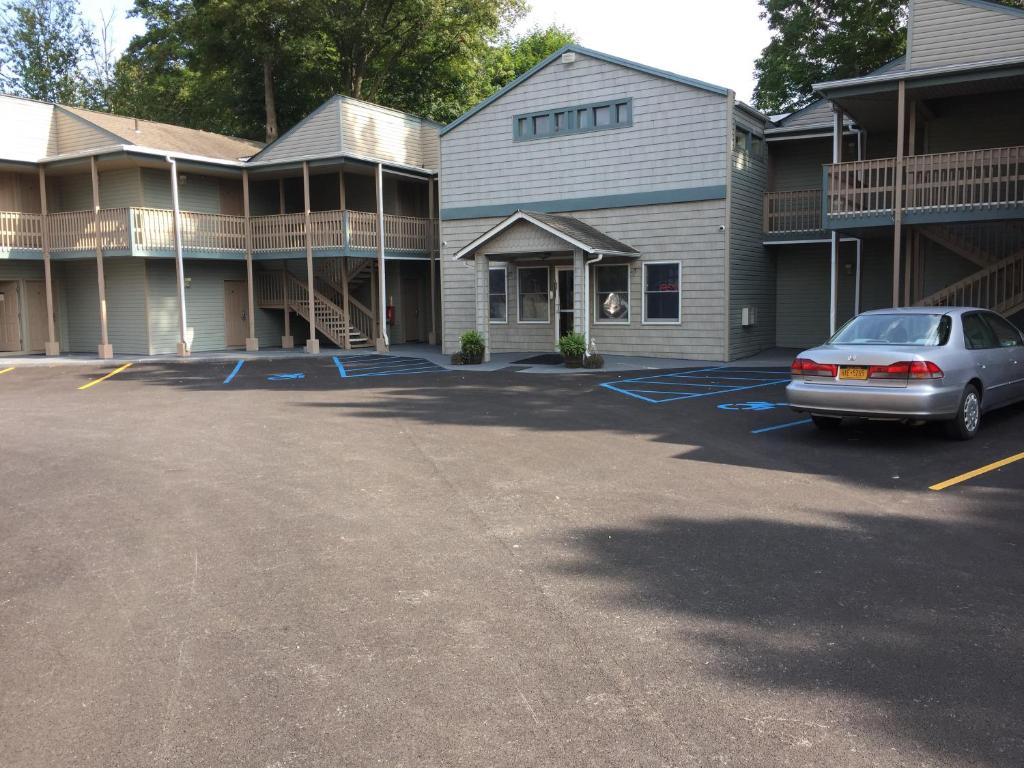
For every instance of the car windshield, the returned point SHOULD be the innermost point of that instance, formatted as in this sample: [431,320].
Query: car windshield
[917,330]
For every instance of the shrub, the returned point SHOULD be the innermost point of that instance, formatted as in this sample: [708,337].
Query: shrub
[457,359]
[593,360]
[572,345]
[472,344]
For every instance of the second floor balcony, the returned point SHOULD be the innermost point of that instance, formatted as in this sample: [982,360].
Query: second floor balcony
[970,185]
[150,232]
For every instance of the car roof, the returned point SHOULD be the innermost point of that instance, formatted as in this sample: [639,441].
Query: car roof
[924,311]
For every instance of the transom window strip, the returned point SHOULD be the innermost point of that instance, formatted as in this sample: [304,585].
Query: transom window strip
[617,113]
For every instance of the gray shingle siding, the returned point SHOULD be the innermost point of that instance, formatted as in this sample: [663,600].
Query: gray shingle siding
[797,164]
[126,305]
[946,32]
[751,268]
[675,140]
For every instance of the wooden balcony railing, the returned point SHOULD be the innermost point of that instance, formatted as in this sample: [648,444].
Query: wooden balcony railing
[152,229]
[20,230]
[792,212]
[951,182]
[76,230]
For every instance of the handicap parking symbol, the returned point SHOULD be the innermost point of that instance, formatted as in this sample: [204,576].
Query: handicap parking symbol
[285,376]
[753,405]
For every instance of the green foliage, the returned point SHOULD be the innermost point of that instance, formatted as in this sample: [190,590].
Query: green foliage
[471,344]
[256,68]
[817,40]
[572,345]
[49,52]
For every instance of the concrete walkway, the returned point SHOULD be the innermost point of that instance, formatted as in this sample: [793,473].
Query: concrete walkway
[499,361]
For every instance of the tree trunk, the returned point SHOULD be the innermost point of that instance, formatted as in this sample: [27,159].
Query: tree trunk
[268,100]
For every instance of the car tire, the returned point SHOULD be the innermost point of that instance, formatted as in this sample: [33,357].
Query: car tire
[968,416]
[826,422]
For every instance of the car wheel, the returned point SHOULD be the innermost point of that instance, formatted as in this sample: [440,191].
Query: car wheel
[826,422]
[968,416]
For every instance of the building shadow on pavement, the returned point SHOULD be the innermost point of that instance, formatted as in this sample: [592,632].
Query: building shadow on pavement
[915,624]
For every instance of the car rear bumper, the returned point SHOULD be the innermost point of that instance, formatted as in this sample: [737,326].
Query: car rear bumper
[920,400]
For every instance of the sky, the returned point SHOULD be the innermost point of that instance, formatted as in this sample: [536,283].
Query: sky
[715,41]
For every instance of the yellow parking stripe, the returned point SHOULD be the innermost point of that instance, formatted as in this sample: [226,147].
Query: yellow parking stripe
[6,370]
[114,372]
[975,472]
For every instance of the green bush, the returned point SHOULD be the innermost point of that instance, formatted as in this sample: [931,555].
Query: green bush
[572,345]
[472,344]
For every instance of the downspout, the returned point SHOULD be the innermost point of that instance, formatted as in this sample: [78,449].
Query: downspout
[586,301]
[856,285]
[179,263]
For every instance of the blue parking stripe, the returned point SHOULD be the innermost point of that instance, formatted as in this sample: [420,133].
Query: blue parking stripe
[429,368]
[234,373]
[341,368]
[780,426]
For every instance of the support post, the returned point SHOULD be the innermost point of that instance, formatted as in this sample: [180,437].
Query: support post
[106,350]
[382,338]
[51,347]
[897,197]
[856,286]
[435,248]
[252,344]
[313,343]
[179,263]
[347,341]
[280,196]
[341,190]
[287,341]
[483,313]
[833,281]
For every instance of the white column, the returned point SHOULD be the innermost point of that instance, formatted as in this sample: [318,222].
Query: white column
[833,274]
[483,306]
[106,350]
[179,262]
[435,247]
[382,338]
[252,344]
[51,347]
[312,343]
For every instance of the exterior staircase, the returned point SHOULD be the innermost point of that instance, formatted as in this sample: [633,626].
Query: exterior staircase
[999,251]
[347,329]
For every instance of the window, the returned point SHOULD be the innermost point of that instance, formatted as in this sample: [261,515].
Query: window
[566,120]
[661,291]
[908,329]
[498,294]
[977,333]
[533,295]
[611,286]
[739,141]
[1006,334]
[757,147]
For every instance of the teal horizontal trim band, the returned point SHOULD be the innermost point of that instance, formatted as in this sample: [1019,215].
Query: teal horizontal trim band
[629,200]
[335,253]
[22,254]
[212,254]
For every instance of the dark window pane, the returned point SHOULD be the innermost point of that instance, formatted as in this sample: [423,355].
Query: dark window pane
[1006,334]
[615,278]
[622,113]
[662,277]
[540,125]
[561,121]
[497,281]
[498,307]
[663,306]
[533,280]
[977,334]
[583,118]
[523,128]
[602,116]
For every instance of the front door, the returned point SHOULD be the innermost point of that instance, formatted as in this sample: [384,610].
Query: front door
[565,301]
[10,320]
[35,307]
[236,317]
[411,309]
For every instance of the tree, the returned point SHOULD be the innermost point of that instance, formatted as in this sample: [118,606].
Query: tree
[255,68]
[817,40]
[49,52]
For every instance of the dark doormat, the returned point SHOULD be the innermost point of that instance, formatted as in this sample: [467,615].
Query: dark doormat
[541,360]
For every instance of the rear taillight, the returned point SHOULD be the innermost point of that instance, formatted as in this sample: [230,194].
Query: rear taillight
[906,369]
[803,366]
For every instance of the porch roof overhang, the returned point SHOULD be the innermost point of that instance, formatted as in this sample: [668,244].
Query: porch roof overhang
[577,235]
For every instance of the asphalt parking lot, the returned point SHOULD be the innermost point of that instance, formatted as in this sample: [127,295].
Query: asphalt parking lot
[376,561]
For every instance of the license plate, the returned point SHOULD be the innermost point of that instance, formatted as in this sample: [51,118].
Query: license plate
[857,373]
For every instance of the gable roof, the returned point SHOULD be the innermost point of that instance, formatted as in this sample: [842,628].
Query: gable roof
[172,138]
[595,55]
[571,230]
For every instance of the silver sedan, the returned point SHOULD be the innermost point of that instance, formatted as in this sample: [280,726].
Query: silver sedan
[912,364]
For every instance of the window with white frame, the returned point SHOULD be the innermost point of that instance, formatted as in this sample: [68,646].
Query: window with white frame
[661,291]
[498,294]
[611,287]
[534,306]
